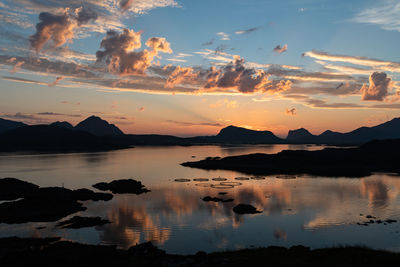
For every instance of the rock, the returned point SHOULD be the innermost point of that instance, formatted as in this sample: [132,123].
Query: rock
[146,249]
[86,194]
[38,210]
[44,204]
[81,222]
[216,199]
[12,188]
[124,186]
[390,221]
[245,209]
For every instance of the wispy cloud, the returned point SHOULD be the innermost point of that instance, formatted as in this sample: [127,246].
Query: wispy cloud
[223,36]
[247,31]
[190,124]
[281,49]
[386,14]
[388,66]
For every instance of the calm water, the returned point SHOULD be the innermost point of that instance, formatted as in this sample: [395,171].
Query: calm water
[311,211]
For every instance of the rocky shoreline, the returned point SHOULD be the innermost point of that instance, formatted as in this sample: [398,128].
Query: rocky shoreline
[16,251]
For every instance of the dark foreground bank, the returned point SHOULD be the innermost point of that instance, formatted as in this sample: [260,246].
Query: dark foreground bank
[54,252]
[374,156]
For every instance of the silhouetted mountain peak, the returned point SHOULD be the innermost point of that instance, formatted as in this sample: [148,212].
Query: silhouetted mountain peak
[299,134]
[6,125]
[234,134]
[97,126]
[63,124]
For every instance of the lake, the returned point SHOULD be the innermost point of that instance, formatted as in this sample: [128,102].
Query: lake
[311,211]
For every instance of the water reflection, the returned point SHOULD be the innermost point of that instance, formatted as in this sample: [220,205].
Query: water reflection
[316,212]
[169,213]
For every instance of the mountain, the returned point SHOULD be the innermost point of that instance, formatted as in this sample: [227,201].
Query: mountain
[53,138]
[63,124]
[6,125]
[300,135]
[387,130]
[238,135]
[98,127]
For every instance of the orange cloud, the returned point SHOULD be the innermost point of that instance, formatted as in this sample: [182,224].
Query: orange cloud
[119,54]
[379,85]
[180,75]
[59,28]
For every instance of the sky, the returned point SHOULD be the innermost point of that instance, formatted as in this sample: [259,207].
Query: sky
[187,67]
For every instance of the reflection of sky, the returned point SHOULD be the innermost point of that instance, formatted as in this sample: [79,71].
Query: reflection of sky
[316,212]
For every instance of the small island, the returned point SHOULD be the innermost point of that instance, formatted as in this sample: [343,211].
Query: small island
[374,156]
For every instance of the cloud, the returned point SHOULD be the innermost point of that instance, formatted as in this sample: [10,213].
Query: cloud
[386,14]
[25,117]
[291,112]
[224,102]
[44,66]
[22,80]
[211,42]
[59,78]
[245,80]
[280,49]
[11,17]
[141,6]
[17,66]
[223,36]
[379,84]
[119,54]
[180,75]
[58,114]
[362,61]
[247,31]
[60,27]
[182,123]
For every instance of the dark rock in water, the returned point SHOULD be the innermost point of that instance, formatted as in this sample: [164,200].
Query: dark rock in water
[124,186]
[245,209]
[81,222]
[216,199]
[86,194]
[38,210]
[64,193]
[390,221]
[146,249]
[44,204]
[12,188]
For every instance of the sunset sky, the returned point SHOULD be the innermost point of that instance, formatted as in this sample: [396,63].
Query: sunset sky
[188,67]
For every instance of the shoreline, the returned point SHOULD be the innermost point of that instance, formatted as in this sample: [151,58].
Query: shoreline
[54,251]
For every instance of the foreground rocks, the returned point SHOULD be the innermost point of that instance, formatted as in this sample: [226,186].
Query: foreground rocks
[41,204]
[54,252]
[375,156]
[12,188]
[124,186]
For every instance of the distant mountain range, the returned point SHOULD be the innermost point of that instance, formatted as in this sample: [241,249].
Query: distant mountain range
[95,131]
